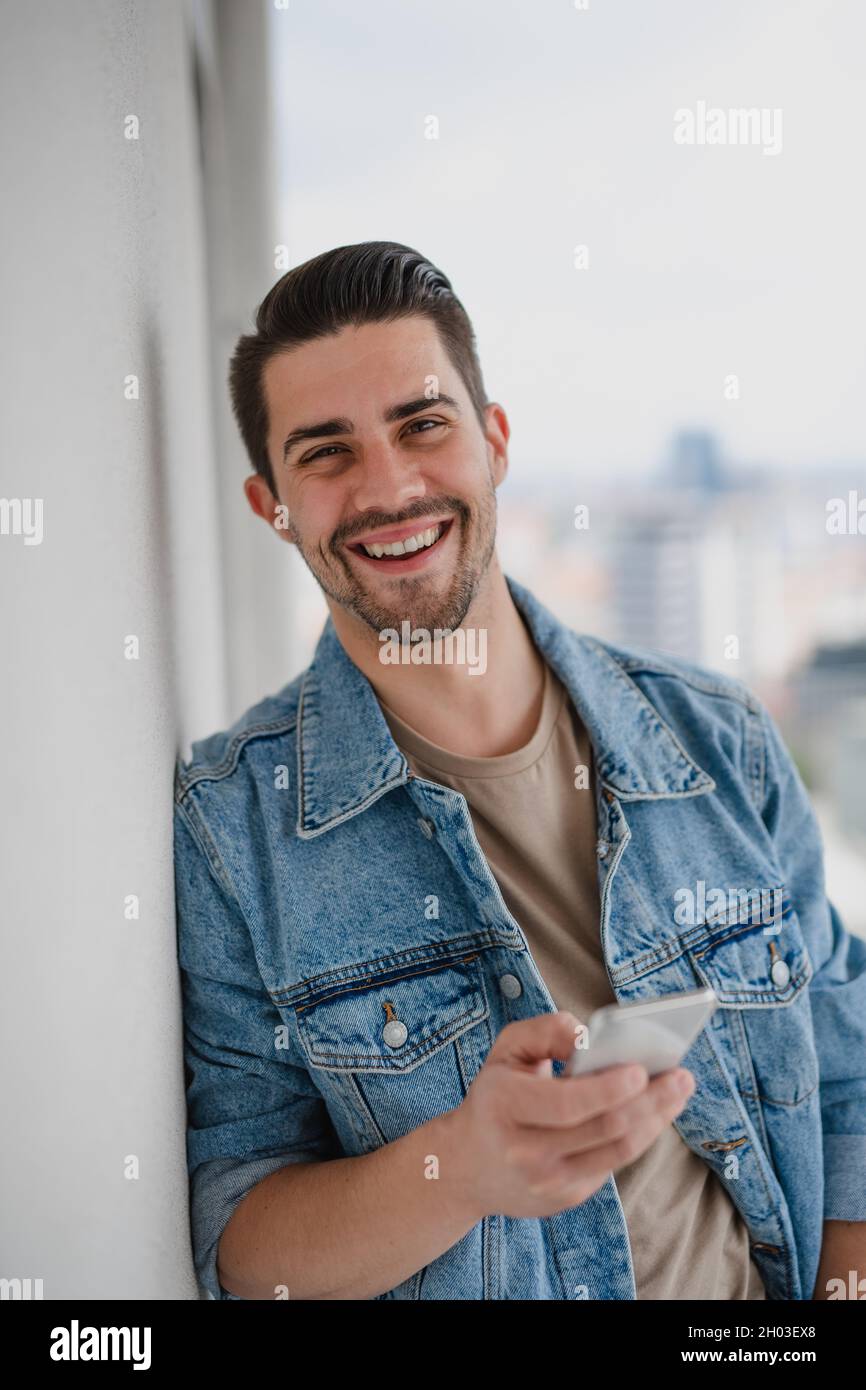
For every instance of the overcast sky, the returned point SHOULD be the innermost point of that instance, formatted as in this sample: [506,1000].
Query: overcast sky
[556,129]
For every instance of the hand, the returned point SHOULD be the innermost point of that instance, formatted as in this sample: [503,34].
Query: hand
[532,1143]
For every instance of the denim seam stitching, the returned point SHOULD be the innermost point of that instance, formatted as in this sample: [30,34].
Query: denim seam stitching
[212,857]
[647,702]
[384,981]
[749,1127]
[704,684]
[436,1040]
[219,771]
[368,1117]
[672,950]
[484,940]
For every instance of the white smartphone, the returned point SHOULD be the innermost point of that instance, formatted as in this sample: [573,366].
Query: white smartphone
[658,1033]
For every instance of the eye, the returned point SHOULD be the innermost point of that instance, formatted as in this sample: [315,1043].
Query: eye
[320,453]
[427,420]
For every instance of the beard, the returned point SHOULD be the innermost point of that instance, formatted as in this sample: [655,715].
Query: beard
[425,601]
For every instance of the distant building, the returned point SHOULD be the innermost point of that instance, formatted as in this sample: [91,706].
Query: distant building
[825,718]
[656,596]
[848,768]
[695,462]
[835,674]
[697,566]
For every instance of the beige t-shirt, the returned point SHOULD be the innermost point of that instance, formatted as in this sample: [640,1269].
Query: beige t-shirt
[539,835]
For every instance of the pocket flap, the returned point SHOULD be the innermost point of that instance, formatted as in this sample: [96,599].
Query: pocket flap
[751,951]
[392,1020]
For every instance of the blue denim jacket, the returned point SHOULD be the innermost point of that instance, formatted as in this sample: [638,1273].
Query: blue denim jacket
[305,851]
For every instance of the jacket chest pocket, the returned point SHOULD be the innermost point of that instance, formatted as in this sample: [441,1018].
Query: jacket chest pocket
[397,1044]
[755,959]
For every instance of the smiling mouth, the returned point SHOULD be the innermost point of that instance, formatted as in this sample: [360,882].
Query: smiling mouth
[409,549]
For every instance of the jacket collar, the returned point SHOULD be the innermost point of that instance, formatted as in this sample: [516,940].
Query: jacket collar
[347,757]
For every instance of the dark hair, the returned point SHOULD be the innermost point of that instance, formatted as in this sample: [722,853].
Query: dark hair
[371,282]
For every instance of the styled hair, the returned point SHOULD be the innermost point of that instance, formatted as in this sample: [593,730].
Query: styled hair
[371,282]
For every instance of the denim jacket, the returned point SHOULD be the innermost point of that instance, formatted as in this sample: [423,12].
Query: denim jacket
[305,854]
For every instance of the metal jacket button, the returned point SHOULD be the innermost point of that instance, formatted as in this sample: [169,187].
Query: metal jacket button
[780,972]
[395,1033]
[510,986]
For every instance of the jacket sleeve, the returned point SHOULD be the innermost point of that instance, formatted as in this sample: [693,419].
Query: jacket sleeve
[250,1109]
[838,985]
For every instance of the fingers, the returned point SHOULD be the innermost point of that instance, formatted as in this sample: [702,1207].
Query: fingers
[577,1167]
[528,1041]
[661,1100]
[664,1098]
[562,1102]
[595,1165]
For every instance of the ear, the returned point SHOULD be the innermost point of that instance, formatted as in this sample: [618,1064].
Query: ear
[265,505]
[497,434]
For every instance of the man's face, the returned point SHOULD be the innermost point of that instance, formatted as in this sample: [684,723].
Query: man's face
[421,480]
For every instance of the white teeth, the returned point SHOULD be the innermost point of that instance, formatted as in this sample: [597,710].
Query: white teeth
[411,544]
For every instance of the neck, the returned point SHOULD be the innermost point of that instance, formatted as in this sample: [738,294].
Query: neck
[479,711]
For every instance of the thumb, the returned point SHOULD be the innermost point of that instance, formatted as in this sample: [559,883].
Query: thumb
[530,1043]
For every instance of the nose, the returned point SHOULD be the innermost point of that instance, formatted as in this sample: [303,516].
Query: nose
[385,480]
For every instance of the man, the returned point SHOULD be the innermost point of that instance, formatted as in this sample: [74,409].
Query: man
[405,880]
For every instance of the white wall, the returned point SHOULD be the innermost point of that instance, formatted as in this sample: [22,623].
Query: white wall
[108,269]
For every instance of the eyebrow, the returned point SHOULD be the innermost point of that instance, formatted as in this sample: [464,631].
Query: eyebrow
[325,429]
